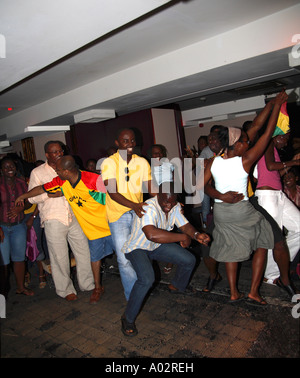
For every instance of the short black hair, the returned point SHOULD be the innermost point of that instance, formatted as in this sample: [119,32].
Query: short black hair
[46,146]
[124,129]
[162,148]
[7,158]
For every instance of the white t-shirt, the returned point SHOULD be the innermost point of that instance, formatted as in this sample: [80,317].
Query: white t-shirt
[229,175]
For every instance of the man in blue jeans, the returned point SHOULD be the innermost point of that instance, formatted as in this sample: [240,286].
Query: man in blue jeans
[151,239]
[125,175]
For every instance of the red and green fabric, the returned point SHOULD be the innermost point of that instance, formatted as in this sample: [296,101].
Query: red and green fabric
[87,199]
[283,122]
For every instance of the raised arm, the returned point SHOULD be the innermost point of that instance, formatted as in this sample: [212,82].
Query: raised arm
[260,120]
[253,154]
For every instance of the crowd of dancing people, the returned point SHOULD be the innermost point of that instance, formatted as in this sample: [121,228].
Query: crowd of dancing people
[129,205]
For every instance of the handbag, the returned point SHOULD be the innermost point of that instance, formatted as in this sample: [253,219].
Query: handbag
[32,251]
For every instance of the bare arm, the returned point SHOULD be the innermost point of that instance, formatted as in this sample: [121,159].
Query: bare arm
[260,120]
[160,236]
[32,193]
[112,189]
[190,230]
[252,155]
[205,175]
[228,197]
[273,165]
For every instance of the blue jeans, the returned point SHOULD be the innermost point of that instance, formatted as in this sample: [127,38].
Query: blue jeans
[141,261]
[100,248]
[205,207]
[120,231]
[13,247]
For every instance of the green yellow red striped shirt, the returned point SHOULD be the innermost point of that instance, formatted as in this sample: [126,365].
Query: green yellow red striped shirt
[87,199]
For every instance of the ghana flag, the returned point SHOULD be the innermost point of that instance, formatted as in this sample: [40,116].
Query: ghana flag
[283,122]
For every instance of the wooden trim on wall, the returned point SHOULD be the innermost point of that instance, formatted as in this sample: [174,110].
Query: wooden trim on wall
[28,150]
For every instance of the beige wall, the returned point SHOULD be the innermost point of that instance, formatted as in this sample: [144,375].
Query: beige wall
[165,132]
[192,133]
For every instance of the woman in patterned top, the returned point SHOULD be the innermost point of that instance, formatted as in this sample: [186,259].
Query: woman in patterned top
[13,229]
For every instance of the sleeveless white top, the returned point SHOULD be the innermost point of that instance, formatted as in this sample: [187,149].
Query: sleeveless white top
[229,175]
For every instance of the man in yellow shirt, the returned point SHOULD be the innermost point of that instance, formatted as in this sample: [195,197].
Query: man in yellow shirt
[124,174]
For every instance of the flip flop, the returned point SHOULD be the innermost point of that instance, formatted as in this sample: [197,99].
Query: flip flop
[254,302]
[128,329]
[211,282]
[26,292]
[241,298]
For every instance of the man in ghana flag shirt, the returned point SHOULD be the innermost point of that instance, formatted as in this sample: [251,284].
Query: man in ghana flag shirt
[86,194]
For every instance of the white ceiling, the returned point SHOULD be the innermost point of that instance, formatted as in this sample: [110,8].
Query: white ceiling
[64,57]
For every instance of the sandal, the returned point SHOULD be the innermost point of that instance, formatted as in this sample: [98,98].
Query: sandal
[96,294]
[211,282]
[254,302]
[27,279]
[27,292]
[290,289]
[42,284]
[128,329]
[167,270]
[240,298]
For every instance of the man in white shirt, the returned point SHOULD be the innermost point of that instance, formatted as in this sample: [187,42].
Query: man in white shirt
[61,228]
[151,239]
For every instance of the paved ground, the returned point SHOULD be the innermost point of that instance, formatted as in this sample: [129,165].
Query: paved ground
[170,326]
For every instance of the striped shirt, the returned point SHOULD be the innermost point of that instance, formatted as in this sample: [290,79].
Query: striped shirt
[154,216]
[8,195]
[87,200]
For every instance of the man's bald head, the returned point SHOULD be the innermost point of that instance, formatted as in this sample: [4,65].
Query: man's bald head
[166,197]
[67,163]
[66,168]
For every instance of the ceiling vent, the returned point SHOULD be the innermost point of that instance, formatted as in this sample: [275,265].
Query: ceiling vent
[94,116]
[265,87]
[294,60]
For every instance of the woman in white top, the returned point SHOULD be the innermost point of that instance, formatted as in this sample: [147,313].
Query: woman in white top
[239,228]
